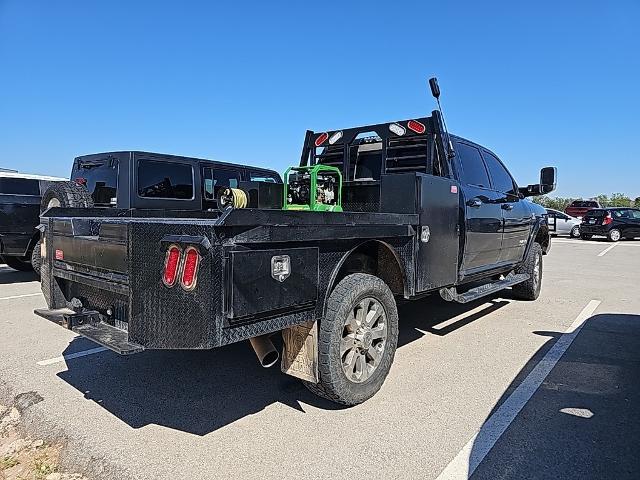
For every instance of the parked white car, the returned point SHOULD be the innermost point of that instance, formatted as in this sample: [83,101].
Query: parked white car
[562,224]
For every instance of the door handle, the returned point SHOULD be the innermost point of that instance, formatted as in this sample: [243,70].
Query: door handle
[507,206]
[475,203]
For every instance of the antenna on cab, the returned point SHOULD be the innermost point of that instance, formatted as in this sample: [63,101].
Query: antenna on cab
[435,91]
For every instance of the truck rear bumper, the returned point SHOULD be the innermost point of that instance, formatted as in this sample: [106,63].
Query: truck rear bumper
[89,325]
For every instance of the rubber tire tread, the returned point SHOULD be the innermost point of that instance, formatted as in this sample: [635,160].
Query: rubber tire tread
[70,195]
[527,290]
[36,259]
[333,384]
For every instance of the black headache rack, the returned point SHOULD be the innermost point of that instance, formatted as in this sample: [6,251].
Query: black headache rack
[103,271]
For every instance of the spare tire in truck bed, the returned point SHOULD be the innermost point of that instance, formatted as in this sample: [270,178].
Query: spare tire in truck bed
[66,195]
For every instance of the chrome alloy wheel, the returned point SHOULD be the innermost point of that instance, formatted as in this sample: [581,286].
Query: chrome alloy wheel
[364,339]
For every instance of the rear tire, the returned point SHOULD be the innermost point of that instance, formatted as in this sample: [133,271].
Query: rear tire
[530,290]
[357,340]
[614,235]
[66,195]
[575,232]
[36,259]
[585,236]
[17,263]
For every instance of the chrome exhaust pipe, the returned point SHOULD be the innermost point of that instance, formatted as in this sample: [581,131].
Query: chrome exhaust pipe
[265,351]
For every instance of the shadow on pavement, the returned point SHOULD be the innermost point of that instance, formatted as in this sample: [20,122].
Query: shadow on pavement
[583,422]
[201,391]
[9,275]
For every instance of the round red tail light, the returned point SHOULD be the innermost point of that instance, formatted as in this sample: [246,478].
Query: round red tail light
[171,264]
[190,268]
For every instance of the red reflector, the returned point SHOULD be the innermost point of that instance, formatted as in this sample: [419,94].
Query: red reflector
[59,255]
[416,126]
[321,139]
[81,181]
[454,189]
[171,264]
[190,268]
[607,220]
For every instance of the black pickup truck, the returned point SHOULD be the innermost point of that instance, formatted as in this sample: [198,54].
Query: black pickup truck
[413,211]
[20,197]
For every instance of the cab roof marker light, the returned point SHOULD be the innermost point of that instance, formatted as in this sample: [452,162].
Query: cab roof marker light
[416,126]
[335,137]
[397,129]
[321,139]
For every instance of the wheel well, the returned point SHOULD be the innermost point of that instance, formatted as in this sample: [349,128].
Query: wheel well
[375,258]
[33,241]
[543,237]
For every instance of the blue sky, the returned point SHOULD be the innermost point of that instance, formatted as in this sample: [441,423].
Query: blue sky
[540,83]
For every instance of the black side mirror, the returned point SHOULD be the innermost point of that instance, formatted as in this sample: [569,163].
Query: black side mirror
[547,183]
[548,179]
[435,89]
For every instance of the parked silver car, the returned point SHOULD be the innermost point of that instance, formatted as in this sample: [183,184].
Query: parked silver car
[562,224]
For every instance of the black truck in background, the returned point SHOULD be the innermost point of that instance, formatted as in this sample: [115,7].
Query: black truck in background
[423,212]
[20,198]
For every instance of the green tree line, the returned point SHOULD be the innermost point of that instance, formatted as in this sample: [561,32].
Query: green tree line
[615,200]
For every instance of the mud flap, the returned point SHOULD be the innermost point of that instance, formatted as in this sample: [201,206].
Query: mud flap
[300,355]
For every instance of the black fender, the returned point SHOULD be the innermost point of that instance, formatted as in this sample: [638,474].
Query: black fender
[541,234]
[337,271]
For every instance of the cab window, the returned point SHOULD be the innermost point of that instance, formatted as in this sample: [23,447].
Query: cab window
[158,179]
[501,179]
[214,178]
[472,171]
[262,177]
[19,186]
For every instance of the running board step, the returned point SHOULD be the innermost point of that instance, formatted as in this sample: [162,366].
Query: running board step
[452,295]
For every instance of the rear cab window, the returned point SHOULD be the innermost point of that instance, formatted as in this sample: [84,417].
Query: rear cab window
[19,186]
[100,176]
[268,177]
[166,180]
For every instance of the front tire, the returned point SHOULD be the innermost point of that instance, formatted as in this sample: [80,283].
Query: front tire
[614,235]
[530,290]
[17,263]
[357,340]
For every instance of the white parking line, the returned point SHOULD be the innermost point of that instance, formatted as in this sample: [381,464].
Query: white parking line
[83,353]
[468,459]
[603,252]
[21,296]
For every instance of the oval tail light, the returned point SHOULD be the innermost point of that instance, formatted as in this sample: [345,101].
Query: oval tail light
[416,126]
[171,264]
[321,139]
[190,268]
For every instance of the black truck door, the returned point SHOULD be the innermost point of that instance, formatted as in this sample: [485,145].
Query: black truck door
[516,216]
[483,213]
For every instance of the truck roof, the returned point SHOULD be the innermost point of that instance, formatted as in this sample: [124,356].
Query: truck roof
[28,176]
[168,155]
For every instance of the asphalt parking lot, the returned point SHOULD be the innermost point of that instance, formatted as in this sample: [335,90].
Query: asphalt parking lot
[495,389]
